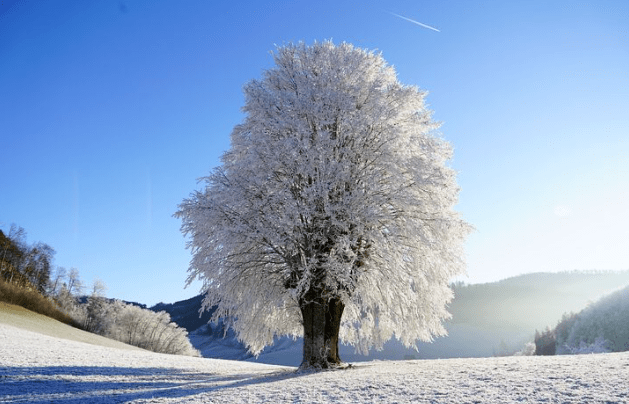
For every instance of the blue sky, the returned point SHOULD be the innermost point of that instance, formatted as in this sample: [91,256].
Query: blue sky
[111,110]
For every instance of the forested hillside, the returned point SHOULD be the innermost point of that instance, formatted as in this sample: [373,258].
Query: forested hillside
[602,326]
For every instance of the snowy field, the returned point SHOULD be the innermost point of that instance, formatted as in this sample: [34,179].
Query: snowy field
[69,367]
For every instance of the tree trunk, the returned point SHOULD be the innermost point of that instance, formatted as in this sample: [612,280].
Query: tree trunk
[333,316]
[321,320]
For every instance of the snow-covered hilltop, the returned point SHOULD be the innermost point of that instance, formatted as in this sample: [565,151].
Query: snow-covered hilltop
[39,368]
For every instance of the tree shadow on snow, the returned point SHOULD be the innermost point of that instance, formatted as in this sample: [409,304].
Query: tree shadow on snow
[80,384]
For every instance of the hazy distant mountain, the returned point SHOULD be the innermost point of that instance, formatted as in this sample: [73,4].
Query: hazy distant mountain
[498,318]
[488,319]
[535,300]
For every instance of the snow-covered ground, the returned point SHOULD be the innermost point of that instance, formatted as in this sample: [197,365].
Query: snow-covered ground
[64,368]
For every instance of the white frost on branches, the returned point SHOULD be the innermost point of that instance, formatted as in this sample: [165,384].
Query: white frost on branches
[336,177]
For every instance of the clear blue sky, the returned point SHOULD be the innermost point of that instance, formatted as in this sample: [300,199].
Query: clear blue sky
[111,110]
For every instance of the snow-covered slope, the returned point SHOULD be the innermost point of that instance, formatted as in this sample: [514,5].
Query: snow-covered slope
[39,368]
[28,320]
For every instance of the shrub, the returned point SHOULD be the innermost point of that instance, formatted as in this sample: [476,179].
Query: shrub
[528,350]
[147,329]
[31,299]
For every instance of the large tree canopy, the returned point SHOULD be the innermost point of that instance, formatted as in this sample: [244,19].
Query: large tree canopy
[332,212]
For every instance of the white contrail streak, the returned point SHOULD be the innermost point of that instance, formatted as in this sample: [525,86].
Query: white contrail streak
[415,22]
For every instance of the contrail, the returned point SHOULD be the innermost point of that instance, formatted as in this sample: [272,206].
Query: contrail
[415,22]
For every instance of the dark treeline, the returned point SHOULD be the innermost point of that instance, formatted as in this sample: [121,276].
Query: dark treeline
[25,265]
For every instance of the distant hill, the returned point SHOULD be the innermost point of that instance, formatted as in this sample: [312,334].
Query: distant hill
[533,300]
[498,318]
[489,319]
[186,312]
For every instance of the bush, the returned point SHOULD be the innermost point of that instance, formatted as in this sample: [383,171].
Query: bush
[528,350]
[147,329]
[31,299]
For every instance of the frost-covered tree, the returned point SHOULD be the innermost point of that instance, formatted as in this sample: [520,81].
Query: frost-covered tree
[147,329]
[332,214]
[96,309]
[74,282]
[66,292]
